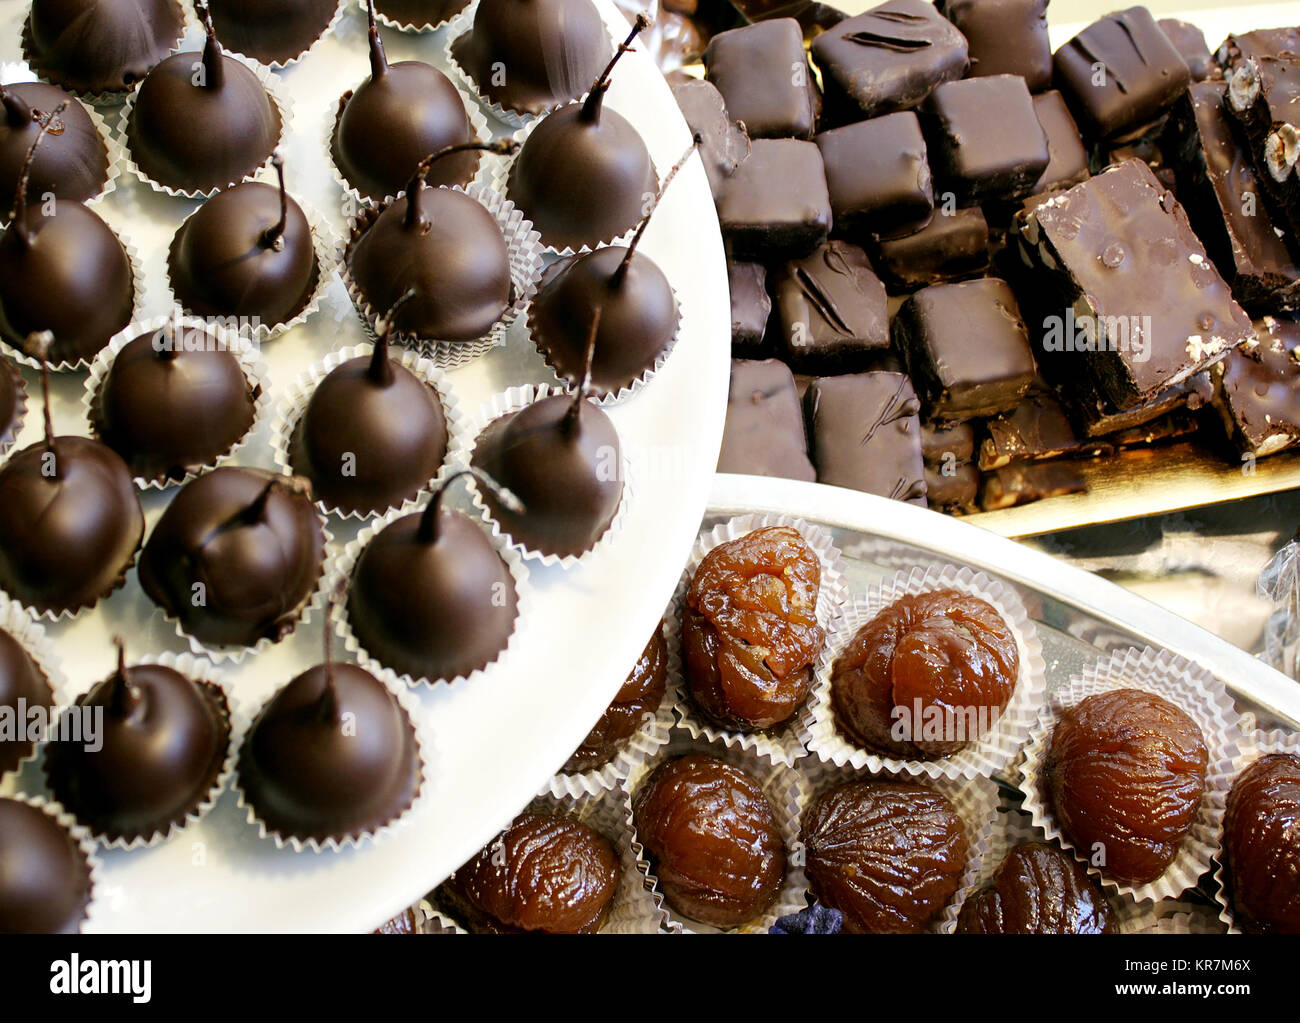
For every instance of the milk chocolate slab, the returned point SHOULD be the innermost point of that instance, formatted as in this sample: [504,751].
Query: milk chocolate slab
[1140,73]
[1027,482]
[887,59]
[1189,41]
[1067,163]
[953,489]
[1035,430]
[776,205]
[764,432]
[951,247]
[764,78]
[1264,98]
[866,435]
[751,305]
[1005,37]
[878,176]
[832,310]
[723,143]
[1257,391]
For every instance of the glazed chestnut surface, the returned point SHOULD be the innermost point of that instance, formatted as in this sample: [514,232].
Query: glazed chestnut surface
[640,695]
[1261,845]
[888,855]
[749,629]
[712,840]
[1038,889]
[1125,774]
[544,873]
[948,653]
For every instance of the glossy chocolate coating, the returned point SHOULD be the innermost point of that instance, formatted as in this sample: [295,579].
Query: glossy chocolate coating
[100,45]
[878,176]
[776,205]
[1261,845]
[20,679]
[545,874]
[888,855]
[66,539]
[751,305]
[551,51]
[221,264]
[163,743]
[1258,392]
[71,162]
[72,278]
[1036,429]
[271,30]
[1126,769]
[372,435]
[45,883]
[764,433]
[953,489]
[432,608]
[949,248]
[199,137]
[953,443]
[638,317]
[568,474]
[418,13]
[454,257]
[13,404]
[712,840]
[1067,164]
[724,143]
[750,635]
[169,409]
[253,554]
[1038,889]
[926,676]
[832,310]
[582,177]
[332,754]
[637,699]
[1005,37]
[1189,41]
[764,78]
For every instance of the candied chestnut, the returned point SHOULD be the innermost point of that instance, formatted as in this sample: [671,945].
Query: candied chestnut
[749,629]
[888,855]
[1261,845]
[712,840]
[640,695]
[544,874]
[930,674]
[406,922]
[1038,889]
[1125,774]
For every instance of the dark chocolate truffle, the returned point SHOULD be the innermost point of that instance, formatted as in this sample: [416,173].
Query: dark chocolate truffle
[235,557]
[72,161]
[272,31]
[162,745]
[45,880]
[420,13]
[393,120]
[332,755]
[172,402]
[1038,889]
[1261,846]
[198,128]
[20,679]
[246,252]
[529,56]
[95,46]
[636,699]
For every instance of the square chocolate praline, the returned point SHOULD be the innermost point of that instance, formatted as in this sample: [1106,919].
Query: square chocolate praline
[887,59]
[1258,392]
[763,75]
[1006,37]
[832,311]
[866,435]
[966,349]
[751,306]
[878,176]
[776,205]
[764,432]
[1068,156]
[949,248]
[984,139]
[1189,41]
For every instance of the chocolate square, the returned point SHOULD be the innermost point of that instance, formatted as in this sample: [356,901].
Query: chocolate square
[984,139]
[887,59]
[1068,157]
[866,434]
[764,78]
[1189,41]
[1258,389]
[776,205]
[764,432]
[966,348]
[953,489]
[951,247]
[1006,37]
[724,144]
[750,305]
[1141,73]
[832,310]
[947,444]
[878,176]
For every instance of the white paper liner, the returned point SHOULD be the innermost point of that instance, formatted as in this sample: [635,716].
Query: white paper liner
[782,743]
[325,245]
[513,400]
[280,65]
[203,673]
[425,747]
[402,26]
[79,835]
[1172,916]
[1255,744]
[274,90]
[786,792]
[999,746]
[293,404]
[20,416]
[1198,694]
[438,922]
[525,256]
[250,361]
[18,623]
[346,562]
[354,200]
[975,800]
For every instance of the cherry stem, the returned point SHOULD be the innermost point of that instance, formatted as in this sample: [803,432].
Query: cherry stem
[378,58]
[273,237]
[17,113]
[18,215]
[428,528]
[213,67]
[620,271]
[584,388]
[39,345]
[380,369]
[596,97]
[123,696]
[417,184]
